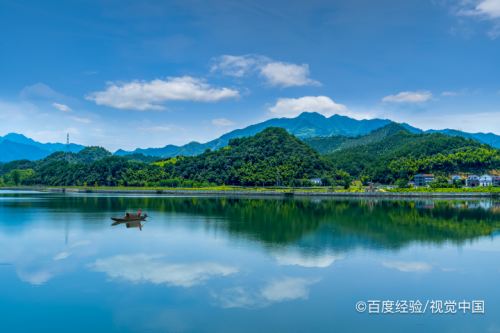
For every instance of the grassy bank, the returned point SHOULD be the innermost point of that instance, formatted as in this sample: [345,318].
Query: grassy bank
[447,190]
[239,190]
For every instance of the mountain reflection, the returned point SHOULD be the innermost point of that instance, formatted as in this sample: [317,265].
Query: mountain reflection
[308,224]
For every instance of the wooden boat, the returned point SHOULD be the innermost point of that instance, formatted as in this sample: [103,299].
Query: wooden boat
[130,218]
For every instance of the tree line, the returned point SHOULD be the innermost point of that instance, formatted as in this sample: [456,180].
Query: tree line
[272,157]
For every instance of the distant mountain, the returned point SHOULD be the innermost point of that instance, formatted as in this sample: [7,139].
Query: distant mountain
[488,138]
[387,155]
[15,146]
[329,144]
[329,133]
[10,151]
[190,149]
[52,147]
[305,126]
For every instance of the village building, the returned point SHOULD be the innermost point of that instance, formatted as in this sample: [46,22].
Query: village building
[472,181]
[316,181]
[423,179]
[486,180]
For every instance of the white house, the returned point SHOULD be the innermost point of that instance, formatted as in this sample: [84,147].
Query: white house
[472,181]
[316,181]
[486,180]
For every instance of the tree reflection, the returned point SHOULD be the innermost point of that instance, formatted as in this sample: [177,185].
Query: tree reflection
[306,222]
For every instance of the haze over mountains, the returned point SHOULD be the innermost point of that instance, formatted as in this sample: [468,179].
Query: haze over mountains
[311,127]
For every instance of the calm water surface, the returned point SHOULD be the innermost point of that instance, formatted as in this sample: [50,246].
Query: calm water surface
[243,265]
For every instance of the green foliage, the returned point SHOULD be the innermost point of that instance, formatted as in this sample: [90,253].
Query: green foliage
[402,155]
[272,157]
[325,145]
[19,164]
[17,176]
[440,182]
[402,183]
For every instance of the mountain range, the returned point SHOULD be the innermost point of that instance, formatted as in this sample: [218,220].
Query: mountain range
[387,155]
[309,126]
[305,126]
[15,146]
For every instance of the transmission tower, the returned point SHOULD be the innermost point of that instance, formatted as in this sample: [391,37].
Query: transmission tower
[67,146]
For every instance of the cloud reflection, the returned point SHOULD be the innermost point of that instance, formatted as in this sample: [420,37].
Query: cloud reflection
[153,269]
[61,255]
[287,289]
[408,266]
[275,291]
[36,278]
[309,261]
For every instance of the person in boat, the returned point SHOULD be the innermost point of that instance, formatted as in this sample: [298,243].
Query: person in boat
[139,212]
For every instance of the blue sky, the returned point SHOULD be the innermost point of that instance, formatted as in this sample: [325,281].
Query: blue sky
[126,74]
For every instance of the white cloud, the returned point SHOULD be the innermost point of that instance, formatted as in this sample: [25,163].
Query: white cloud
[40,91]
[149,268]
[81,120]
[312,261]
[276,73]
[483,10]
[222,122]
[408,97]
[292,107]
[157,128]
[449,93]
[411,266]
[490,8]
[149,95]
[287,75]
[61,107]
[237,66]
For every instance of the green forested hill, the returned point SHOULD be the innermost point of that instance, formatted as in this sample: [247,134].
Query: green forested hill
[402,154]
[329,144]
[271,157]
[268,158]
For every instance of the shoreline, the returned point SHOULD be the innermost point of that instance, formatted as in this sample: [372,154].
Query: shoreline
[257,192]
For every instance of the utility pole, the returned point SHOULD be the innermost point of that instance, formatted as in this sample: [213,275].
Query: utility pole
[67,147]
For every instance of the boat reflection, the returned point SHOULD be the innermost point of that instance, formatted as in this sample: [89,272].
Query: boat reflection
[129,224]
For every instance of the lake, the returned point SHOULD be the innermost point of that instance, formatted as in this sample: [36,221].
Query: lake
[222,264]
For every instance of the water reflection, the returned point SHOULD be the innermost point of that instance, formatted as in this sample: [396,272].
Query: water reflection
[130,224]
[274,291]
[311,225]
[157,270]
[208,264]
